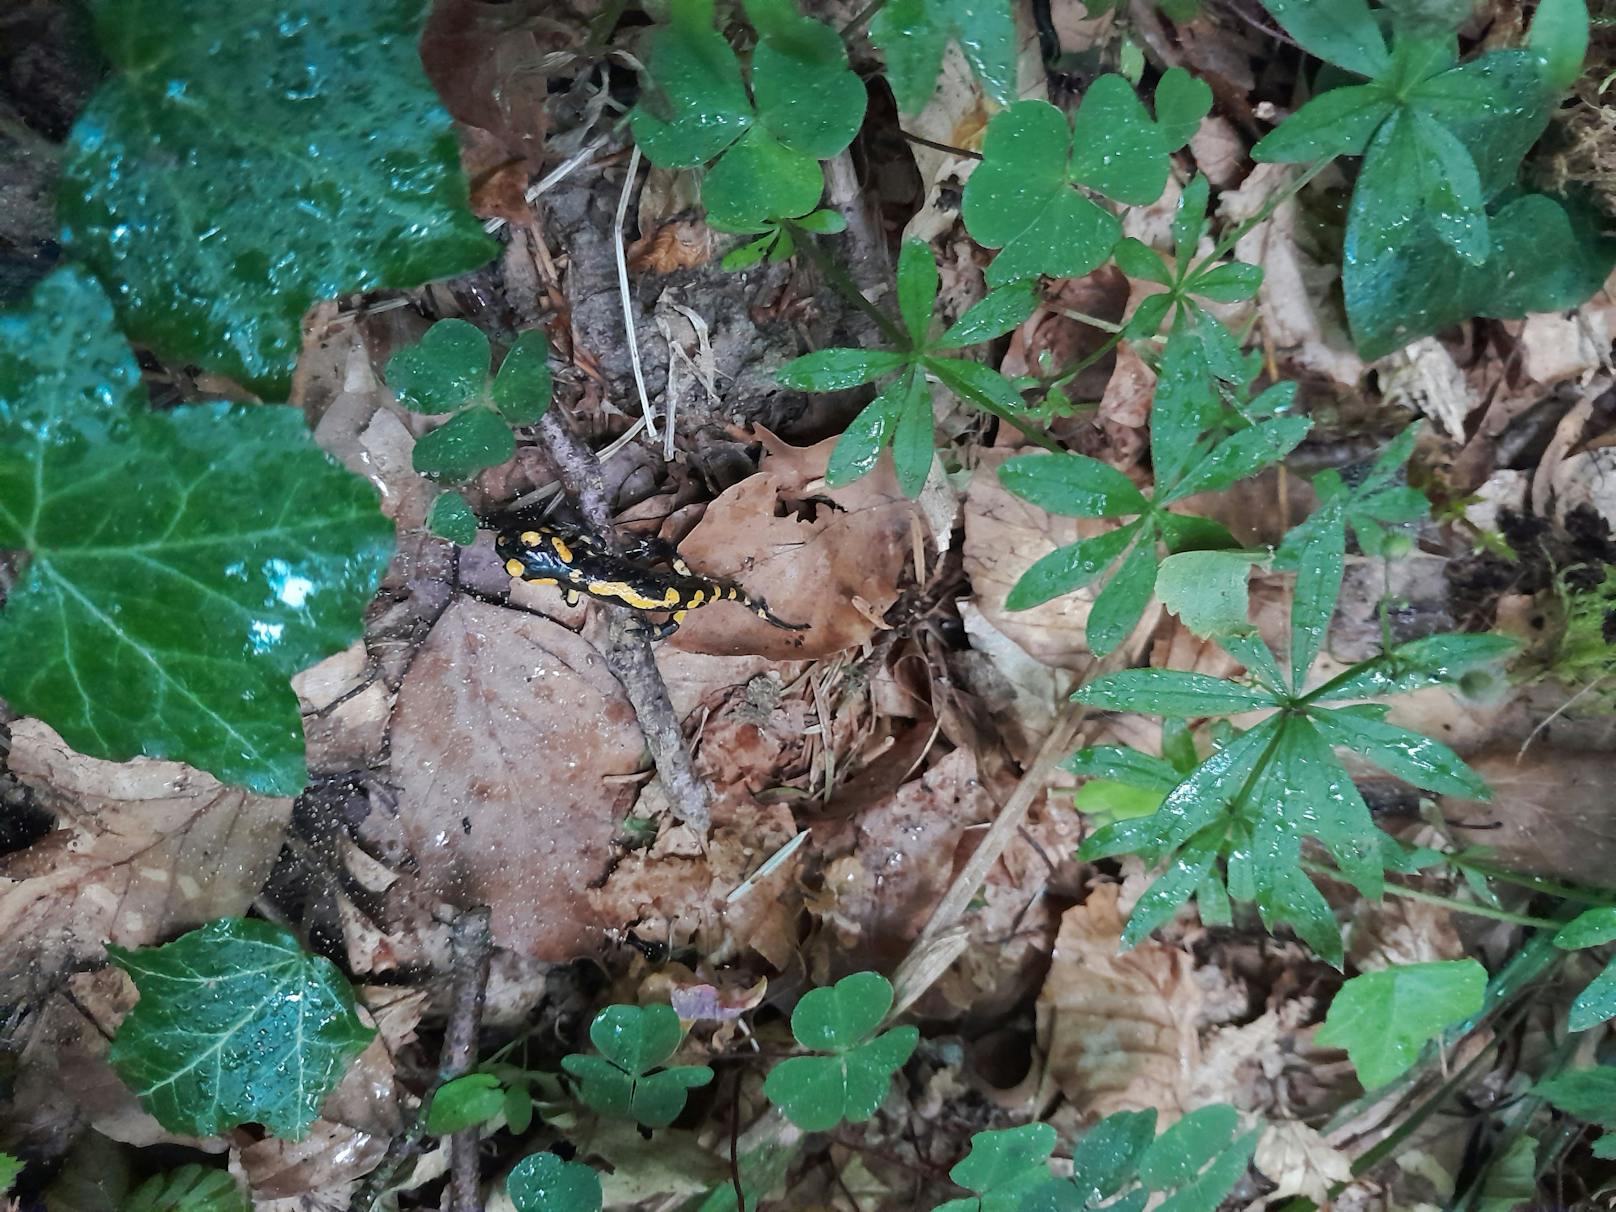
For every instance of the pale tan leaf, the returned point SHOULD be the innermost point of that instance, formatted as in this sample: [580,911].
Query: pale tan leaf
[1300,1161]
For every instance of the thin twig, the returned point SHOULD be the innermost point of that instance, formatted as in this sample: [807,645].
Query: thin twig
[630,658]
[946,148]
[471,947]
[623,292]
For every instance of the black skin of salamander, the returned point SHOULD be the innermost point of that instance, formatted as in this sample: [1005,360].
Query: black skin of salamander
[542,562]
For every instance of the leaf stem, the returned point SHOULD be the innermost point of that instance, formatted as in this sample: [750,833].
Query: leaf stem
[1273,202]
[1433,898]
[1535,883]
[843,284]
[1071,372]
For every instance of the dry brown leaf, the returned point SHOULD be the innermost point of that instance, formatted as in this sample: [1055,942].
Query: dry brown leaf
[1399,931]
[1004,536]
[1294,320]
[142,850]
[832,558]
[1118,1030]
[345,709]
[487,61]
[1423,376]
[506,735]
[1300,1162]
[1563,345]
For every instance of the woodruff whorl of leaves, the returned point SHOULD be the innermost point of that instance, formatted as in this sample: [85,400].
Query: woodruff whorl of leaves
[901,415]
[805,105]
[1254,799]
[235,168]
[1436,231]
[164,609]
[1205,434]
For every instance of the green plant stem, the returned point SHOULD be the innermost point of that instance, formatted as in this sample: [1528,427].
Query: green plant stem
[1272,203]
[1534,883]
[1066,374]
[843,284]
[1433,898]
[1082,317]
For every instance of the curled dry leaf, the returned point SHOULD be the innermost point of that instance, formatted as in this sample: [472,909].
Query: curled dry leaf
[1298,324]
[832,558]
[507,734]
[1300,1161]
[1424,376]
[1004,536]
[141,850]
[1564,345]
[1117,1030]
[1398,931]
[345,708]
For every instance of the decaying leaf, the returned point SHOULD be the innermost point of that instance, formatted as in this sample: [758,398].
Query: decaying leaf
[141,850]
[832,558]
[1300,1161]
[1118,1030]
[508,731]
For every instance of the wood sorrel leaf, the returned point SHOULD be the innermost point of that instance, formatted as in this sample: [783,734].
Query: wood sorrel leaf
[236,1024]
[219,183]
[182,565]
[913,34]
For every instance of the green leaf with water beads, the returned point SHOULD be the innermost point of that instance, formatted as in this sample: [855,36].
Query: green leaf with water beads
[627,1079]
[913,34]
[236,1024]
[543,1182]
[1003,1165]
[225,177]
[237,554]
[1384,1019]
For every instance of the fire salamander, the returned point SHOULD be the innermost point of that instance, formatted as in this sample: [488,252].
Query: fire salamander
[547,555]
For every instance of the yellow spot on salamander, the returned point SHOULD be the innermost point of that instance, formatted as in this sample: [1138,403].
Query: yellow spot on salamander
[530,538]
[561,549]
[697,597]
[515,567]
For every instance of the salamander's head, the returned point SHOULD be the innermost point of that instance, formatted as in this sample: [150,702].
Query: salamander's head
[527,554]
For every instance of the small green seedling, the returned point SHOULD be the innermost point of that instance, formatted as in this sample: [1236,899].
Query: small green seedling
[1028,196]
[1120,1162]
[1001,1168]
[1590,1095]
[189,1189]
[627,1079]
[446,373]
[1597,1002]
[805,105]
[1121,784]
[1182,277]
[777,242]
[543,1182]
[465,1102]
[902,414]
[1197,445]
[275,1025]
[1433,235]
[1383,1019]
[10,1167]
[913,35]
[818,1092]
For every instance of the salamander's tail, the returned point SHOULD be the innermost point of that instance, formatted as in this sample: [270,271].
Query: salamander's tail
[760,608]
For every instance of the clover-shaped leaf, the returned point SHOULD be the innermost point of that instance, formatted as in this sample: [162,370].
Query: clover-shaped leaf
[913,34]
[901,415]
[1002,1167]
[1023,198]
[819,1092]
[446,372]
[236,1024]
[451,518]
[768,145]
[1383,1019]
[165,190]
[182,565]
[543,1182]
[627,1080]
[474,1098]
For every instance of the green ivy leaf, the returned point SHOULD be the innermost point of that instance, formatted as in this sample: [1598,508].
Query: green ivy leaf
[451,518]
[190,1188]
[236,1024]
[818,1092]
[1002,1167]
[627,1080]
[463,1103]
[542,1182]
[1383,1019]
[220,181]
[170,623]
[913,34]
